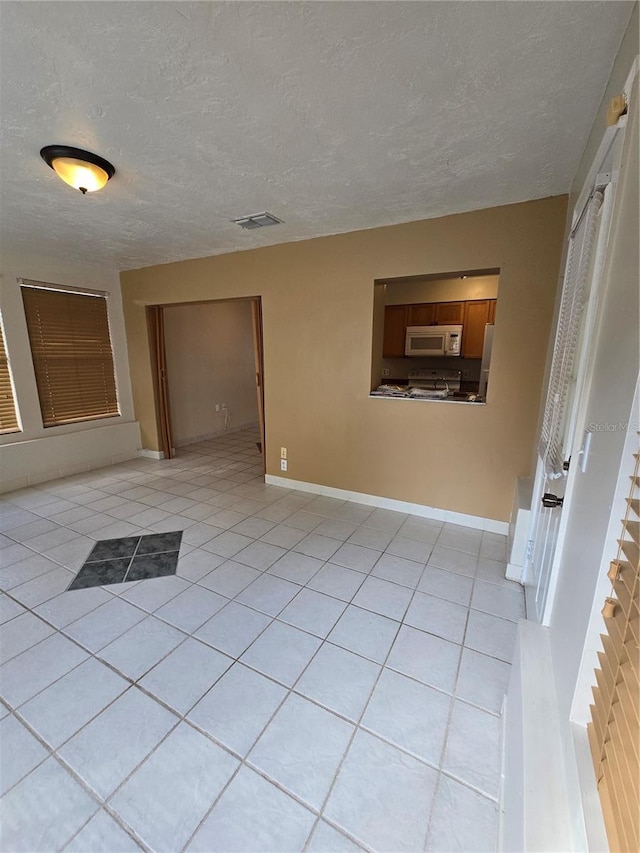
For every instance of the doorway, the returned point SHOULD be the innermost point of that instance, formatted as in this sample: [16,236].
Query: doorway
[208,370]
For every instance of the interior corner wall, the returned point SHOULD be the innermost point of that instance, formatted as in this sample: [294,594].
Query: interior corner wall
[37,454]
[210,361]
[317,307]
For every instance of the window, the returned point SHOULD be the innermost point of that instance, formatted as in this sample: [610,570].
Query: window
[72,357]
[8,414]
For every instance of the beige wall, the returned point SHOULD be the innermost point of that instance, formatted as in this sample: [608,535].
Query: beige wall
[442,290]
[209,361]
[317,299]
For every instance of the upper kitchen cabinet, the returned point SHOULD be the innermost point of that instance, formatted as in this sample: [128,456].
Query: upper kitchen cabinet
[422,314]
[476,316]
[395,325]
[449,313]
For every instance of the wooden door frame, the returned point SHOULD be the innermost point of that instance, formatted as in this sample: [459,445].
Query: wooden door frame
[155,324]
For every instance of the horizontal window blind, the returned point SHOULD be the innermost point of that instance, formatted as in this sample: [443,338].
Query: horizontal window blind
[72,356]
[579,260]
[8,414]
[614,732]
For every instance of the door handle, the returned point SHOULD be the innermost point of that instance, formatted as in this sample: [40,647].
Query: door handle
[551,501]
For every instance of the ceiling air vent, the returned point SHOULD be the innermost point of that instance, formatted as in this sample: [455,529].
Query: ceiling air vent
[257,220]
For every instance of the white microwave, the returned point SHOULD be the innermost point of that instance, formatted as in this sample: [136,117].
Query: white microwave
[433,340]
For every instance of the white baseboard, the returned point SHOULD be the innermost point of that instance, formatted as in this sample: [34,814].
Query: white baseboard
[489,524]
[151,454]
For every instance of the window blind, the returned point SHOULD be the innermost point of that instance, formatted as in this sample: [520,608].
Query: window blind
[8,414]
[72,355]
[579,260]
[614,732]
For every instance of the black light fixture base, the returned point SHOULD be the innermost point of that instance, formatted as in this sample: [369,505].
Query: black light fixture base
[51,152]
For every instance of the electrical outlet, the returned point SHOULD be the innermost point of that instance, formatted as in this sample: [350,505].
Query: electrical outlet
[283,453]
[385,371]
[283,464]
[217,407]
[223,406]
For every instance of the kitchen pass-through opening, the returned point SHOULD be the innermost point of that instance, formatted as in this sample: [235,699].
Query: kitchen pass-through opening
[433,336]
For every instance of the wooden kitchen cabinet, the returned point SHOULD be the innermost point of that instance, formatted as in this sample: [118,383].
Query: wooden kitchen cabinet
[449,313]
[395,326]
[476,317]
[422,314]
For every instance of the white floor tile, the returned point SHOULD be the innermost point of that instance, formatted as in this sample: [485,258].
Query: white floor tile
[473,748]
[25,570]
[281,652]
[500,601]
[21,633]
[167,797]
[491,635]
[371,538]
[302,748]
[102,835]
[315,545]
[269,594]
[228,544]
[44,810]
[337,581]
[483,680]
[283,536]
[428,658]
[462,820]
[410,715]
[313,612]
[365,633]
[271,820]
[154,592]
[410,549]
[437,616]
[197,564]
[383,597]
[233,629]
[72,554]
[297,568]
[38,667]
[238,707]
[357,557]
[98,628]
[9,609]
[448,585]
[105,751]
[326,839]
[70,606]
[387,520]
[382,796]
[453,560]
[397,569]
[20,752]
[460,538]
[339,680]
[141,647]
[63,708]
[185,675]
[229,579]
[41,589]
[336,529]
[191,608]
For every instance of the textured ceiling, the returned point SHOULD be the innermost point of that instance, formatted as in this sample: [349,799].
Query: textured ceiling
[334,116]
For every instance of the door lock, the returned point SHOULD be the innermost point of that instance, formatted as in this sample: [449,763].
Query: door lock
[551,501]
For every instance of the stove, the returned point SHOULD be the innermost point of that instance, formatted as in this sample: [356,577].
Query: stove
[434,384]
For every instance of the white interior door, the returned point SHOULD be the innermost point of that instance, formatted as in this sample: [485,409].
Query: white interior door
[563,441]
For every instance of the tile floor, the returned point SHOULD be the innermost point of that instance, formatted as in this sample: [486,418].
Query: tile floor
[318,675]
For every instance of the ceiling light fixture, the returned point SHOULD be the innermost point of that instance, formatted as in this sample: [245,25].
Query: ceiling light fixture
[80,169]
[257,220]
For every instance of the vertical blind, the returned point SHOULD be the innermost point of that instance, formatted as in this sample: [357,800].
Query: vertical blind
[614,732]
[8,415]
[72,356]
[579,260]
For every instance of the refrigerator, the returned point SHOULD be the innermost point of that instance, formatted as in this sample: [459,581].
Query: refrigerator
[486,361]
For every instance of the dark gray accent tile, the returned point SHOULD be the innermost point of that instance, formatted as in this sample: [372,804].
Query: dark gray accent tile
[153,566]
[156,543]
[111,549]
[100,574]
